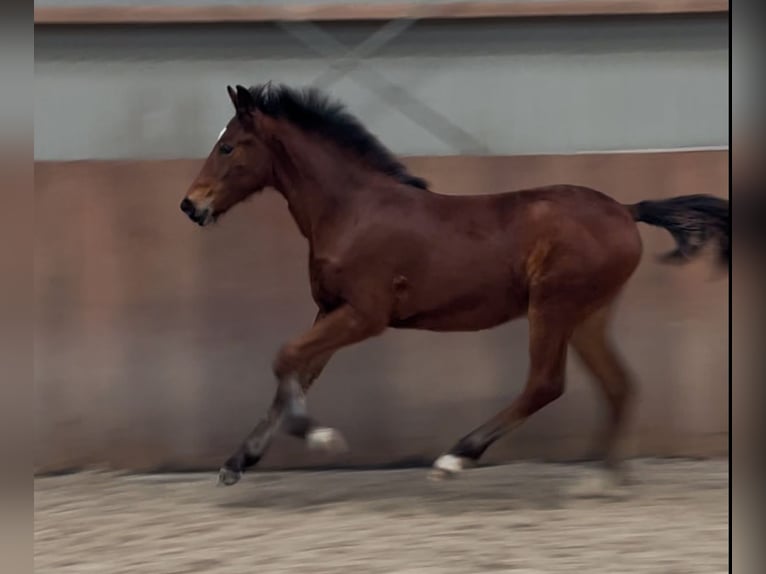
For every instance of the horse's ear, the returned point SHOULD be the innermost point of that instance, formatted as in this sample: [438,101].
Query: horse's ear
[232,96]
[245,101]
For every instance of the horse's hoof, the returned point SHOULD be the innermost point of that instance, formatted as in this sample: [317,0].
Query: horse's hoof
[438,475]
[228,477]
[600,484]
[326,439]
[448,466]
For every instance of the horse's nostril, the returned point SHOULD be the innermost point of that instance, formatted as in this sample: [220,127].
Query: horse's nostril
[187,207]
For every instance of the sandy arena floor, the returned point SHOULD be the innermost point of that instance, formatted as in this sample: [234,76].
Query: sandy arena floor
[515,518]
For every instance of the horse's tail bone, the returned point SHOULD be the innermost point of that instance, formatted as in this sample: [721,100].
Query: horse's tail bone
[694,221]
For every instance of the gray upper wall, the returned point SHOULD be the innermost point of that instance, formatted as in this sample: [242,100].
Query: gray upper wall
[519,86]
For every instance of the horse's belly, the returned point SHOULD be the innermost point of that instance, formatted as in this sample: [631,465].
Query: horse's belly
[467,312]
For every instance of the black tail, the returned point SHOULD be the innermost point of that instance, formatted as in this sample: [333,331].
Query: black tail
[693,221]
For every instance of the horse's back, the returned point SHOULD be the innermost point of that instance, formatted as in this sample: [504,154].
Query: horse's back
[551,214]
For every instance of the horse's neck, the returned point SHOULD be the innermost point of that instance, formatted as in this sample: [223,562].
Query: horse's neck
[315,181]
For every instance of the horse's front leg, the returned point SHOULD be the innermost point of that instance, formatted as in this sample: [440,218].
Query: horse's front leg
[296,365]
[296,421]
[287,412]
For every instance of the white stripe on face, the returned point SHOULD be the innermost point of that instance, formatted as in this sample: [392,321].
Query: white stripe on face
[223,131]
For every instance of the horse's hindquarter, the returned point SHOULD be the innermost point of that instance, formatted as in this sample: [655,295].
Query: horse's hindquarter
[582,246]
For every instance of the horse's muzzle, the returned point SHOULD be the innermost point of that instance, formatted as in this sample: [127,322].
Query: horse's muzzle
[199,216]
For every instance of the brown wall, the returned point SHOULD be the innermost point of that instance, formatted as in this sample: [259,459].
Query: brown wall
[154,338]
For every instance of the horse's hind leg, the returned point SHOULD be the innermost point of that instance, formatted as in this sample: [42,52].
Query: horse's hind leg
[591,343]
[549,334]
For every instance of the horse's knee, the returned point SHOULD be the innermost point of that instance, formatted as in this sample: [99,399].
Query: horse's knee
[621,394]
[620,388]
[286,362]
[620,398]
[550,391]
[543,393]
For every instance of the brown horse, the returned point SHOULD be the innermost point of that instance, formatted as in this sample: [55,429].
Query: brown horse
[385,251]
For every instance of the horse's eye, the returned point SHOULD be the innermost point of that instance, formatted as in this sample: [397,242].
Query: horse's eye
[225,149]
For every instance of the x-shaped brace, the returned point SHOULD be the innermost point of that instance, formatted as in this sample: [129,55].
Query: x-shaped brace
[347,61]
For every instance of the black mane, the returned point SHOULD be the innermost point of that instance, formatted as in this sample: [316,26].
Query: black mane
[311,110]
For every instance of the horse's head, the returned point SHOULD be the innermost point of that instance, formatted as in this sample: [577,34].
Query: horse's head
[239,165]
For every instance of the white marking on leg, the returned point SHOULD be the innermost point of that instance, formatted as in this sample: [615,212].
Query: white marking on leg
[448,466]
[327,439]
[450,463]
